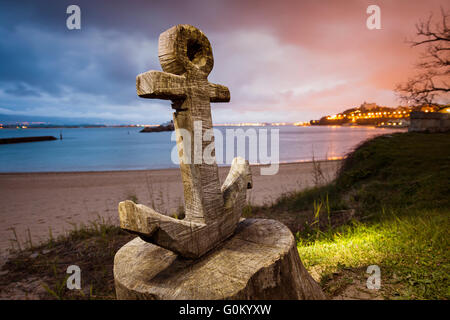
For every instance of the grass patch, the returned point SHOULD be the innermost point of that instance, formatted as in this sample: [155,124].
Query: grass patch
[396,171]
[412,249]
[90,246]
[399,187]
[400,171]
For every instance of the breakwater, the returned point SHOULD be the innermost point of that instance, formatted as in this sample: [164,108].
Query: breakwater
[26,139]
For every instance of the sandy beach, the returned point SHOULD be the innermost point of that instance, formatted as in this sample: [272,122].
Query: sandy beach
[42,202]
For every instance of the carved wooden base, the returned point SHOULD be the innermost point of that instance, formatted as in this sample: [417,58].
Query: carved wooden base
[260,261]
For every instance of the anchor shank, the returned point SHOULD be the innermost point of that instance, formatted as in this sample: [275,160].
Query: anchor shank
[202,194]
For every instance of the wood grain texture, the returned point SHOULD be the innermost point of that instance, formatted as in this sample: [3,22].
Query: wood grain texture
[260,261]
[211,211]
[186,237]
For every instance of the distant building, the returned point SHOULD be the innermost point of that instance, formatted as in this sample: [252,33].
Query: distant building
[443,110]
[429,121]
[395,123]
[368,106]
[369,114]
[428,108]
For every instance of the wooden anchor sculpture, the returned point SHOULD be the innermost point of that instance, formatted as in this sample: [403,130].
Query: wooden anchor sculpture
[211,212]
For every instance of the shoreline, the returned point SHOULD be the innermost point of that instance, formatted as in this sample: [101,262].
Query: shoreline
[214,125]
[56,201]
[3,173]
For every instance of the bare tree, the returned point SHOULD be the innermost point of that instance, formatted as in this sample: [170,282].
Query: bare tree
[432,80]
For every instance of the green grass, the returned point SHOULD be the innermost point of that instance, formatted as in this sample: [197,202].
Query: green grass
[413,249]
[401,171]
[398,171]
[399,186]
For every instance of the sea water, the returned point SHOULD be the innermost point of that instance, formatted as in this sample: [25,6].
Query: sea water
[104,149]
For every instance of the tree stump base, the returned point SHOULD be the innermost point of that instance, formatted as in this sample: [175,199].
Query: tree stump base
[259,261]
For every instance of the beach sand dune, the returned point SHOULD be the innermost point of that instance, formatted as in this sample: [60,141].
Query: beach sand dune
[42,202]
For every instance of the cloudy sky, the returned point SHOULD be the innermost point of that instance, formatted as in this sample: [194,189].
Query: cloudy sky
[282,60]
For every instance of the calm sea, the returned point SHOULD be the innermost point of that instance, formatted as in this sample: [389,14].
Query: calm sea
[102,149]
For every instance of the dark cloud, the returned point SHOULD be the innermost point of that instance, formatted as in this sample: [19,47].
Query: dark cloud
[283,60]
[20,90]
[82,68]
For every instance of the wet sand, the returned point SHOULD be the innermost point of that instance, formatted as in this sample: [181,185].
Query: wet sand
[55,201]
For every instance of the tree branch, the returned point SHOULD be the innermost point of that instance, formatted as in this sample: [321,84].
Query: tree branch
[434,64]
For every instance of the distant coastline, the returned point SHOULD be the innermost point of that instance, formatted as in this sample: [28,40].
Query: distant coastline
[367,114]
[146,128]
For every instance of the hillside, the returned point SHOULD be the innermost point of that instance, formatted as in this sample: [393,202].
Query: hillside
[398,188]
